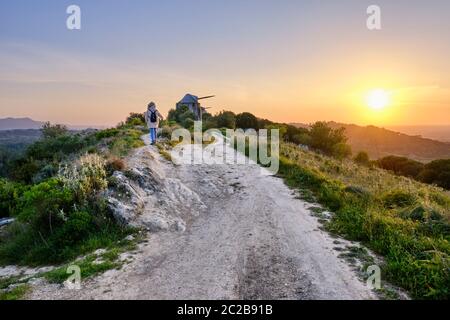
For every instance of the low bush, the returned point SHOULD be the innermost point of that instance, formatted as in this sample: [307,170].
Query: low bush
[115,164]
[166,131]
[107,133]
[85,177]
[10,192]
[56,148]
[127,140]
[398,199]
[362,158]
[135,119]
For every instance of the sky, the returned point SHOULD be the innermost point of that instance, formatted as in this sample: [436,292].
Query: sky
[288,61]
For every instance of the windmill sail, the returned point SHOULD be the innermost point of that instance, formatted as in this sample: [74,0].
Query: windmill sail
[207,97]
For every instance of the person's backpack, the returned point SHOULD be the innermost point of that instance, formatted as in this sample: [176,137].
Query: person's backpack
[153,117]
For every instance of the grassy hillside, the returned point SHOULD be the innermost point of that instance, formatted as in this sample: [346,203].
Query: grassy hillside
[405,221]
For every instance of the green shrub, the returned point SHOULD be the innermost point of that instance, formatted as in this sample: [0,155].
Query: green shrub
[44,205]
[332,142]
[127,140]
[135,119]
[224,119]
[436,172]
[46,172]
[401,166]
[182,116]
[166,131]
[10,192]
[107,133]
[187,123]
[362,158]
[24,169]
[247,120]
[86,176]
[296,135]
[50,131]
[78,226]
[398,198]
[56,148]
[341,150]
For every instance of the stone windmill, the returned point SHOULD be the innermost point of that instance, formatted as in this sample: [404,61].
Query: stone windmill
[192,102]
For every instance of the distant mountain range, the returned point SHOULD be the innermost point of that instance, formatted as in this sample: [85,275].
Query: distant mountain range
[441,133]
[27,123]
[380,142]
[19,123]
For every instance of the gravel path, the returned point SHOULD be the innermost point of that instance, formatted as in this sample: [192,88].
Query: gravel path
[249,237]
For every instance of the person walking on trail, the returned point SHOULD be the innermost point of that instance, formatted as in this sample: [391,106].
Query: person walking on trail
[152,118]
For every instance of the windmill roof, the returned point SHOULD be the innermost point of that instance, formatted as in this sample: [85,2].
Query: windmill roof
[189,98]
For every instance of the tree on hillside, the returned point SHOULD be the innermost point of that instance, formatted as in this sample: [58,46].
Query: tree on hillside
[246,120]
[4,159]
[341,150]
[263,123]
[53,130]
[208,121]
[362,158]
[182,116]
[297,135]
[225,119]
[332,142]
[436,172]
[281,130]
[135,119]
[401,166]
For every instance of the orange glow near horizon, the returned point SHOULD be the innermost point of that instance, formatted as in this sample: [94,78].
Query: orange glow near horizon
[312,62]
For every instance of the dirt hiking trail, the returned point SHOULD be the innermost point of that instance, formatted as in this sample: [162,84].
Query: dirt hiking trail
[219,232]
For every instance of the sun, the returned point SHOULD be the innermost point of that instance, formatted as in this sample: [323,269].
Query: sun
[378,99]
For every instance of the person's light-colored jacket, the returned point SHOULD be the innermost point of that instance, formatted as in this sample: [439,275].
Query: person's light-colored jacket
[147,115]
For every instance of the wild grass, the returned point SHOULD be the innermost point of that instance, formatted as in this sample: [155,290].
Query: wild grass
[93,264]
[88,268]
[163,149]
[405,221]
[15,294]
[127,139]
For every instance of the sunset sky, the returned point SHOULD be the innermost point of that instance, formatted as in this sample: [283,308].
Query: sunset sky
[289,61]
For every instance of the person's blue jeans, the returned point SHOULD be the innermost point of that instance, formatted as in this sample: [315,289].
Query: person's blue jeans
[152,135]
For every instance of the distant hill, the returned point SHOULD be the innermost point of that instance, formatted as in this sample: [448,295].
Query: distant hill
[380,142]
[19,123]
[440,133]
[27,123]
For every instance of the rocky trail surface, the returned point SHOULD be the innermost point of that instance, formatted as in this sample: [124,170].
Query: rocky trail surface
[217,232]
